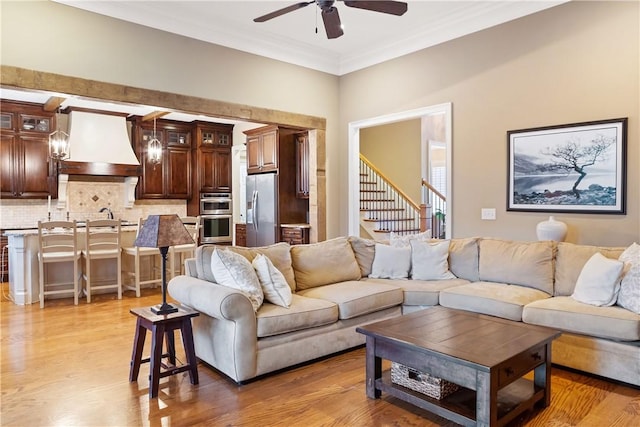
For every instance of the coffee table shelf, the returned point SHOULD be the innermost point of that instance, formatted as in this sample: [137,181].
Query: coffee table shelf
[460,406]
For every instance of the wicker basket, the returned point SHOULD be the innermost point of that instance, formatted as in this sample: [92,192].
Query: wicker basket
[421,382]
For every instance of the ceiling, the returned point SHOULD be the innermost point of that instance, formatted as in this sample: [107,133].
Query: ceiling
[369,38]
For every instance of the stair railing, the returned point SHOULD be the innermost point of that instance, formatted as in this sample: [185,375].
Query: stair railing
[434,210]
[385,203]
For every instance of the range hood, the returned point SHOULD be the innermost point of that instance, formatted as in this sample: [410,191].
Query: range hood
[99,145]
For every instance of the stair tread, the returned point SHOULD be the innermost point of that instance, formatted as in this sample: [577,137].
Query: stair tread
[381,209]
[412,231]
[388,220]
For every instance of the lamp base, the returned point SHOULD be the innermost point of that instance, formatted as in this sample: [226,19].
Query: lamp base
[164,309]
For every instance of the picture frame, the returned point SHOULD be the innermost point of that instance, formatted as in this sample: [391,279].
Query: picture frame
[577,167]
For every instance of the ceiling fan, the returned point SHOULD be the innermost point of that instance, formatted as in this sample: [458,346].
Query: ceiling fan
[330,14]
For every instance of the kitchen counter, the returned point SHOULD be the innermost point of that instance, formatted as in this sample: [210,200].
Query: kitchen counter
[23,262]
[25,230]
[300,225]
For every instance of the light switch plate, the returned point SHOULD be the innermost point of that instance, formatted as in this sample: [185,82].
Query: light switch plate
[488,214]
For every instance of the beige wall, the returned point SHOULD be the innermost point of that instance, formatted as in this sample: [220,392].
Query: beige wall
[394,149]
[573,63]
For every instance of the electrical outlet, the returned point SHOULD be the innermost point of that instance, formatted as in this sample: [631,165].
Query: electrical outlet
[488,214]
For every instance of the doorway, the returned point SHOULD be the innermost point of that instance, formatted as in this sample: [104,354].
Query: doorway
[426,114]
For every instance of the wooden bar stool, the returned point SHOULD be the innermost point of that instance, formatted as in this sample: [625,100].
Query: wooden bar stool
[57,242]
[102,241]
[162,327]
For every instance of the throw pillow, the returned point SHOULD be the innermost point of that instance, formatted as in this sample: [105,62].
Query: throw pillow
[599,281]
[402,240]
[629,295]
[235,271]
[364,250]
[324,263]
[429,260]
[274,286]
[390,262]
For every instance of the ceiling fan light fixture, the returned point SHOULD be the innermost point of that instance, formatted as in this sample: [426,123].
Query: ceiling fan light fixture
[330,16]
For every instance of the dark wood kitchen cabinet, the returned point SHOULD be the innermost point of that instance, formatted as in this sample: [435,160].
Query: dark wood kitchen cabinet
[213,157]
[263,146]
[302,165]
[211,171]
[171,178]
[25,168]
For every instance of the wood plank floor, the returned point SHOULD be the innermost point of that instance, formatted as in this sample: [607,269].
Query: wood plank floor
[68,365]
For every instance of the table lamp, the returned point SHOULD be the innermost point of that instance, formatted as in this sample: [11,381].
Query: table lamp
[162,231]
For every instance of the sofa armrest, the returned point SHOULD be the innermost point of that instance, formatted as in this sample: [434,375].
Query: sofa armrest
[225,334]
[214,300]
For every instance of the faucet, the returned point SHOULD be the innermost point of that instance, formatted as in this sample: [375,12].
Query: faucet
[108,211]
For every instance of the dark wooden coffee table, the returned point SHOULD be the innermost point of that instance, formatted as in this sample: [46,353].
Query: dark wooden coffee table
[487,356]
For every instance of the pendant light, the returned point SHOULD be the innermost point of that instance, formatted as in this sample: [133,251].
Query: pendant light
[58,142]
[154,149]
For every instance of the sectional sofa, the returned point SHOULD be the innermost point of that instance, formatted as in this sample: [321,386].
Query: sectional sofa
[336,285]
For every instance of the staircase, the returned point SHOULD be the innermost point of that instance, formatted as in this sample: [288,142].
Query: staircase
[384,208]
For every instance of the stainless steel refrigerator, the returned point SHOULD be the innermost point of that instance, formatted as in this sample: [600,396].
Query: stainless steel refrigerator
[262,209]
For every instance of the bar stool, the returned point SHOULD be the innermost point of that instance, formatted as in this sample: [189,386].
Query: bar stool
[57,243]
[136,254]
[102,241]
[188,250]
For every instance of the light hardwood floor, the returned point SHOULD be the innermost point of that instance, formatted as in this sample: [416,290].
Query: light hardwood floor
[68,365]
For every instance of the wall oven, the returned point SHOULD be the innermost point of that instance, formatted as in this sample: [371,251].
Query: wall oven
[216,228]
[216,219]
[215,204]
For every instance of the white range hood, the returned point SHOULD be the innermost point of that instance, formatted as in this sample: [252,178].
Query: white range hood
[99,145]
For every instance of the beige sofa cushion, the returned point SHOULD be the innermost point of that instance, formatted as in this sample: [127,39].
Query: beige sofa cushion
[567,314]
[517,263]
[421,292]
[303,313]
[495,299]
[364,250]
[324,263]
[278,253]
[569,262]
[355,298]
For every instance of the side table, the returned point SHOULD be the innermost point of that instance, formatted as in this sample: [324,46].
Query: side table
[162,328]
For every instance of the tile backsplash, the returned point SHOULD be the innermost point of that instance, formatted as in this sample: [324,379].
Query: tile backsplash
[85,201]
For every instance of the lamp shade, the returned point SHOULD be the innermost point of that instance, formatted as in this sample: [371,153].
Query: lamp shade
[161,231]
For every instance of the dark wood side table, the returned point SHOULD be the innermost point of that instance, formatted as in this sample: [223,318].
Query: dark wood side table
[162,328]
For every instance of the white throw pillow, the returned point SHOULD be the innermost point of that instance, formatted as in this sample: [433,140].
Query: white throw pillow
[403,240]
[629,295]
[599,281]
[429,260]
[390,262]
[274,286]
[235,271]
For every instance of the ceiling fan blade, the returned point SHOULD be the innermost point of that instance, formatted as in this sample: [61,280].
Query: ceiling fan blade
[332,23]
[282,11]
[390,7]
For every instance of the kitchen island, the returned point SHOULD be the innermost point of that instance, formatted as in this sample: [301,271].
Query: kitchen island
[23,262]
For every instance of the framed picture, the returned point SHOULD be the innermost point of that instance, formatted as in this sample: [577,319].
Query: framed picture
[579,167]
